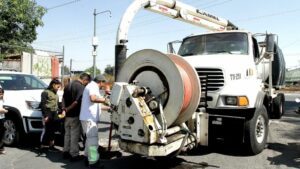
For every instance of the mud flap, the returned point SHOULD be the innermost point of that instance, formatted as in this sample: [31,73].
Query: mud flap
[226,129]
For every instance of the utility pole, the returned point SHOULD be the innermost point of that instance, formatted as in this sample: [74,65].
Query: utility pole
[31,62]
[71,67]
[63,64]
[95,41]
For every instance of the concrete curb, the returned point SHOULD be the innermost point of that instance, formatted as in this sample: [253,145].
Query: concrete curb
[114,144]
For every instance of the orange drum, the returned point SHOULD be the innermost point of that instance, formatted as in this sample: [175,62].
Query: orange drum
[170,78]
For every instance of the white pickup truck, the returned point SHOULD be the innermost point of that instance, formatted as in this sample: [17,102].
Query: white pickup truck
[22,94]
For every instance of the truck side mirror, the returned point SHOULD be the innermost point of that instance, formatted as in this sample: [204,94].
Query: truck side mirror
[270,41]
[170,47]
[270,44]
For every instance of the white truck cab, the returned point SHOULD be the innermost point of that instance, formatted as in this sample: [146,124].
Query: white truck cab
[22,95]
[234,78]
[225,63]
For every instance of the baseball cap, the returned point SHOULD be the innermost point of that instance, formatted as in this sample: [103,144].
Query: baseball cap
[100,78]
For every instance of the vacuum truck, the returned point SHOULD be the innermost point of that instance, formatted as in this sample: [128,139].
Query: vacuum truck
[220,85]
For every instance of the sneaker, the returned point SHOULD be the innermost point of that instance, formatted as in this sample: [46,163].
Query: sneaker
[86,161]
[53,149]
[96,165]
[2,152]
[42,151]
[66,155]
[76,158]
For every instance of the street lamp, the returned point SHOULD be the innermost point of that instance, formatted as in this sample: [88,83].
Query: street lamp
[95,40]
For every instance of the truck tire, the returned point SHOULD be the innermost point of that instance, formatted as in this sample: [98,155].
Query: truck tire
[256,131]
[278,106]
[12,133]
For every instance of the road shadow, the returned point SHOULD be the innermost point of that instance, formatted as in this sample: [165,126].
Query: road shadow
[130,162]
[138,162]
[289,154]
[223,148]
[103,129]
[31,143]
[292,117]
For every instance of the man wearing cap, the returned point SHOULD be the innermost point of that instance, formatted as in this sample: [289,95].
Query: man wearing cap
[90,114]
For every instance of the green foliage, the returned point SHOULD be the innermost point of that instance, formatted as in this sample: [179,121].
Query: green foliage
[66,70]
[91,70]
[18,22]
[109,73]
[109,70]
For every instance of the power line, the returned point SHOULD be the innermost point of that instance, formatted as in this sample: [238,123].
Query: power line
[142,23]
[201,3]
[64,4]
[135,25]
[268,15]
[23,47]
[90,60]
[216,4]
[104,32]
[292,54]
[158,19]
[291,44]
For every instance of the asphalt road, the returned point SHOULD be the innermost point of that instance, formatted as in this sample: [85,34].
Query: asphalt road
[283,151]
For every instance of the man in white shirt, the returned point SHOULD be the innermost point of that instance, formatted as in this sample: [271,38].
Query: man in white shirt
[89,116]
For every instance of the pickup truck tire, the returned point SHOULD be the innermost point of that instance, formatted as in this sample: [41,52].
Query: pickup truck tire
[278,106]
[12,133]
[256,131]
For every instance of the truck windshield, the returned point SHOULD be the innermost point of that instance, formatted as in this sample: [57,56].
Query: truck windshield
[218,43]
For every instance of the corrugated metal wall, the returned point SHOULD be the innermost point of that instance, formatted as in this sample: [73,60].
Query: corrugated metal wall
[293,76]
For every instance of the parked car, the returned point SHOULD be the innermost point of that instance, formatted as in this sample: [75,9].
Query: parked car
[21,98]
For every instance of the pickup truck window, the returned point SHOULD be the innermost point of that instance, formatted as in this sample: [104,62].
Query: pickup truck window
[21,82]
[218,43]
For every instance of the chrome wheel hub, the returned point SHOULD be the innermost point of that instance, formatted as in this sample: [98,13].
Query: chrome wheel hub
[260,129]
[10,132]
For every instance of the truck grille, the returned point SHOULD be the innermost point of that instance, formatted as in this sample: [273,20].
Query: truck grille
[211,79]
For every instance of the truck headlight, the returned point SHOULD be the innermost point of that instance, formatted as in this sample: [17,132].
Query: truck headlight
[34,105]
[236,100]
[231,100]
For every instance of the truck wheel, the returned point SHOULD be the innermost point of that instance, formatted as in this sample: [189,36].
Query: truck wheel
[278,106]
[256,131]
[12,134]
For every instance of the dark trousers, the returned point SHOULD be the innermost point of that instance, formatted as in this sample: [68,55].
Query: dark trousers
[2,130]
[48,133]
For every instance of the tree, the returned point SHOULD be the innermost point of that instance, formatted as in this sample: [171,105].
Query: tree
[109,70]
[66,70]
[18,22]
[109,73]
[91,70]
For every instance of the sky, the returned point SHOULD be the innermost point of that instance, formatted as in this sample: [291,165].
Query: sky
[70,23]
